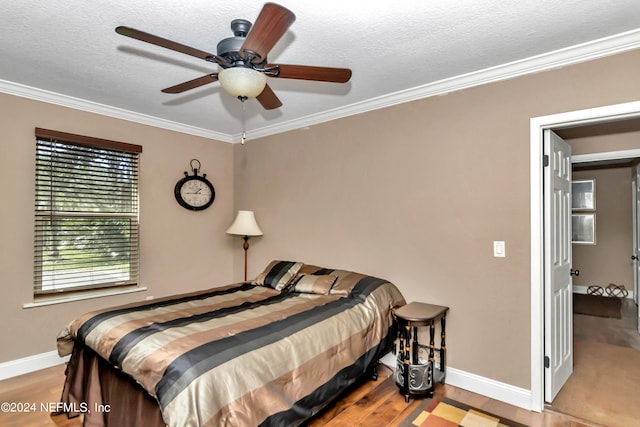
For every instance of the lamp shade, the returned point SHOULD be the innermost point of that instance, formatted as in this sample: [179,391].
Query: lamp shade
[241,82]
[245,225]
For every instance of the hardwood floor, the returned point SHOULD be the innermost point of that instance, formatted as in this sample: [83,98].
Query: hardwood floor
[34,392]
[370,403]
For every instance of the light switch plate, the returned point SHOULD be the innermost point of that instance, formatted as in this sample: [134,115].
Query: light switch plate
[499,249]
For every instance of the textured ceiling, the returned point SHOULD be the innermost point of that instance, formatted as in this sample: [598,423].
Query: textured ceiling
[66,51]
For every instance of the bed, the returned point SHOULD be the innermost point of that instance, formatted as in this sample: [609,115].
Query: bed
[273,351]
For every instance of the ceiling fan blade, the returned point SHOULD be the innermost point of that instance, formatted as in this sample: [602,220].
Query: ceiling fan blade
[271,24]
[268,99]
[168,44]
[306,72]
[192,84]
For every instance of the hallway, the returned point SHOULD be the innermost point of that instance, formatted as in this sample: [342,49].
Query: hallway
[604,387]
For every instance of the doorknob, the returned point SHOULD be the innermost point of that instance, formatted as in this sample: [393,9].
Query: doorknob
[574,272]
[633,257]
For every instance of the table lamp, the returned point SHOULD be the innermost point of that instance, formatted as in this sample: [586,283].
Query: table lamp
[245,225]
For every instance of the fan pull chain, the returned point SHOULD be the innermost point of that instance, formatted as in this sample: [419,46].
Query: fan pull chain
[244,120]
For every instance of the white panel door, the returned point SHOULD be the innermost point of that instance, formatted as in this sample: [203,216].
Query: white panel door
[557,284]
[636,238]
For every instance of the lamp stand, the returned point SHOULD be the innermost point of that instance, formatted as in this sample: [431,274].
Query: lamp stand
[245,246]
[245,225]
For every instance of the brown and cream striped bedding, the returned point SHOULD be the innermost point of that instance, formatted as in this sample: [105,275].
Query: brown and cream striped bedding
[245,354]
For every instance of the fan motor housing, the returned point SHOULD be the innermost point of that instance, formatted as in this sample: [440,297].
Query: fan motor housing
[229,48]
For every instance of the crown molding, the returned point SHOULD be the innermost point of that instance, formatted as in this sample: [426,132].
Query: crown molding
[600,48]
[611,45]
[29,92]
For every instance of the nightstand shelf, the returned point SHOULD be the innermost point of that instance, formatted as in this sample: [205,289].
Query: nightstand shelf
[414,375]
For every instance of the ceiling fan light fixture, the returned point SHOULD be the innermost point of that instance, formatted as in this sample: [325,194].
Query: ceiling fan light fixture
[242,82]
[243,58]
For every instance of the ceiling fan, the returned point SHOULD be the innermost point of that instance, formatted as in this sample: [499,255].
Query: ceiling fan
[243,58]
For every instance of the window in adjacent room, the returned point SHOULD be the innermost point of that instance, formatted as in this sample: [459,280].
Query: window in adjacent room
[86,213]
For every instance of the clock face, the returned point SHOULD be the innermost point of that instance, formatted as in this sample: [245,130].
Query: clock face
[195,193]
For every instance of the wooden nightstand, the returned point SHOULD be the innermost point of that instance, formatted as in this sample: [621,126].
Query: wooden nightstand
[415,375]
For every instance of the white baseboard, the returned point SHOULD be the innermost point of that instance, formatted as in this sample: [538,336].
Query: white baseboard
[497,390]
[389,360]
[475,383]
[13,368]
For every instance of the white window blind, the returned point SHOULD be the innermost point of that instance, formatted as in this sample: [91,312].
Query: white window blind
[86,213]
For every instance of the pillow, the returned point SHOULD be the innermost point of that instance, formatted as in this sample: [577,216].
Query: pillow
[278,274]
[311,269]
[346,281]
[313,284]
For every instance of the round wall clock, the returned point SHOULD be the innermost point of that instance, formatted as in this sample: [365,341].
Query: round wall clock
[194,192]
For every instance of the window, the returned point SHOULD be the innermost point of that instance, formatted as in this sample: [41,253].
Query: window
[86,213]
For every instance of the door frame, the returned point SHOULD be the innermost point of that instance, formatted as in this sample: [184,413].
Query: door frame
[537,127]
[635,198]
[621,155]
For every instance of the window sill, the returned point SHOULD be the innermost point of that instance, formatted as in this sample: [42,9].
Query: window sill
[41,302]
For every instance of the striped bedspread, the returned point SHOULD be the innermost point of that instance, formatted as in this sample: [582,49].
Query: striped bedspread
[243,355]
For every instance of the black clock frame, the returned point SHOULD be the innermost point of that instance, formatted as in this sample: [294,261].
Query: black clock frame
[183,181]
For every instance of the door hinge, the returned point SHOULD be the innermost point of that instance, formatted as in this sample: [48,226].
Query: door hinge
[547,363]
[545,160]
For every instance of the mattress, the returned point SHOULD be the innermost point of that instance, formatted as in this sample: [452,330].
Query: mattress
[241,354]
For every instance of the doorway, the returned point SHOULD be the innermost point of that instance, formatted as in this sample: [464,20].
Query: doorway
[600,115]
[606,344]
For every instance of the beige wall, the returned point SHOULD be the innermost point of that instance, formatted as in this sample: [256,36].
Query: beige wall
[416,193]
[609,260]
[613,136]
[180,250]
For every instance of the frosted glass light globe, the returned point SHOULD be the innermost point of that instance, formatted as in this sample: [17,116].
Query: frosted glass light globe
[241,82]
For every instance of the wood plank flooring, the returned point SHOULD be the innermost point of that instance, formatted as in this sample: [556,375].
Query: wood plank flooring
[369,403]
